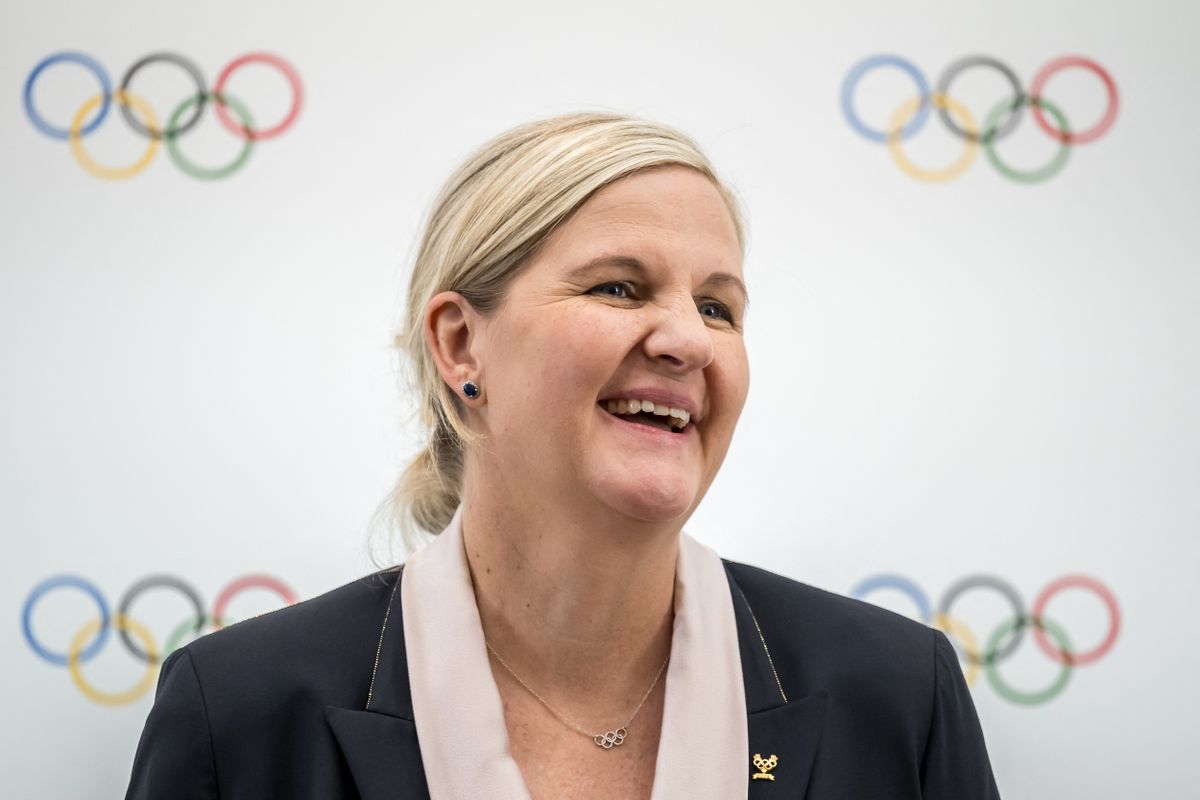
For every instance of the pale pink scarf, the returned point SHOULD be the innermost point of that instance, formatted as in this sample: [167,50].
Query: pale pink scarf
[703,751]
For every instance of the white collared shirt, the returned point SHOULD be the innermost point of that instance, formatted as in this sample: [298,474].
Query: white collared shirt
[702,751]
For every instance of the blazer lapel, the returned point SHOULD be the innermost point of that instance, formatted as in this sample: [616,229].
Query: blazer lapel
[788,736]
[379,741]
[784,732]
[382,754]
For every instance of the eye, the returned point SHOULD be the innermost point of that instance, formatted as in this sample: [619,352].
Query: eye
[620,290]
[716,310]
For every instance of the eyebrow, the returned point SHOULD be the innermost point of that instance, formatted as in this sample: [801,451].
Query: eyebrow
[630,262]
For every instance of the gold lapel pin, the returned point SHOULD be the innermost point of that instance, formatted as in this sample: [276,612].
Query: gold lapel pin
[764,765]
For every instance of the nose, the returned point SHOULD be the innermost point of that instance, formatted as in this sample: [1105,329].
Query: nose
[680,338]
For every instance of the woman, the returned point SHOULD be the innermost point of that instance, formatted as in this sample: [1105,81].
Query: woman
[575,322]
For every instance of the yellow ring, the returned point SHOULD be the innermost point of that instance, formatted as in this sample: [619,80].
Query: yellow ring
[970,646]
[114,173]
[901,118]
[121,623]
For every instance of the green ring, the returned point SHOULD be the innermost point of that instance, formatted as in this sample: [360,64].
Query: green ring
[206,173]
[1015,695]
[1033,176]
[179,632]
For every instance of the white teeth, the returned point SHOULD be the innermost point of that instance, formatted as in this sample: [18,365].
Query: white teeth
[676,417]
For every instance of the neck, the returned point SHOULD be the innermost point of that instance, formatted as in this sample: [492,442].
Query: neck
[578,604]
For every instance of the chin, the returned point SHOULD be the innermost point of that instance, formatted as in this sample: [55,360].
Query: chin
[656,501]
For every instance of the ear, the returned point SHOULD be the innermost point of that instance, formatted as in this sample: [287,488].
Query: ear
[451,323]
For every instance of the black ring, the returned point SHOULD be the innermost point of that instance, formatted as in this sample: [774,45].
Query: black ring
[1007,591]
[152,582]
[943,88]
[190,68]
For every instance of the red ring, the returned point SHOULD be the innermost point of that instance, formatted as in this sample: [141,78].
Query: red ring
[288,71]
[1092,133]
[1114,614]
[249,582]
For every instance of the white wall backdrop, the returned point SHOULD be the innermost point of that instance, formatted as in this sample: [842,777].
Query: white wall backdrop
[977,376]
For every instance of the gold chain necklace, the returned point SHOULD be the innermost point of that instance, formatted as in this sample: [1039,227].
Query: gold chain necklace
[606,739]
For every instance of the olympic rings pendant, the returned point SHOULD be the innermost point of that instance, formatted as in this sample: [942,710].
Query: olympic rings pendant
[610,740]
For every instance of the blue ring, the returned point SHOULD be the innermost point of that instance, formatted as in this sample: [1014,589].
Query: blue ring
[89,63]
[856,74]
[48,585]
[900,583]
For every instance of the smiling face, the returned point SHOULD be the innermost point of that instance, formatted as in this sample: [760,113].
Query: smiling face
[636,296]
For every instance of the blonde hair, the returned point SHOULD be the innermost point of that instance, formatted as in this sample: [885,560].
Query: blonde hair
[491,215]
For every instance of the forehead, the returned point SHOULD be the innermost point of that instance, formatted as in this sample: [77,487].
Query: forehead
[667,213]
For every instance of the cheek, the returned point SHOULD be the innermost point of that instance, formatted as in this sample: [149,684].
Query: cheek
[566,354]
[734,364]
[729,382]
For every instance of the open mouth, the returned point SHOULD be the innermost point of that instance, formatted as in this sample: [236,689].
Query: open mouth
[647,413]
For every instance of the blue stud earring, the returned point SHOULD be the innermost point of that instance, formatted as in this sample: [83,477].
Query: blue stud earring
[471,390]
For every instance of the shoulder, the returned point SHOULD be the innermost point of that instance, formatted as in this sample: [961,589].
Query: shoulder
[320,649]
[821,640]
[244,707]
[805,610]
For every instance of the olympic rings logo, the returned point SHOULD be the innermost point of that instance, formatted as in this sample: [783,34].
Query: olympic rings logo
[144,121]
[912,114]
[1050,637]
[93,635]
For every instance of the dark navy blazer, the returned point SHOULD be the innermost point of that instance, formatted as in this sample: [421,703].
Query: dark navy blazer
[312,701]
